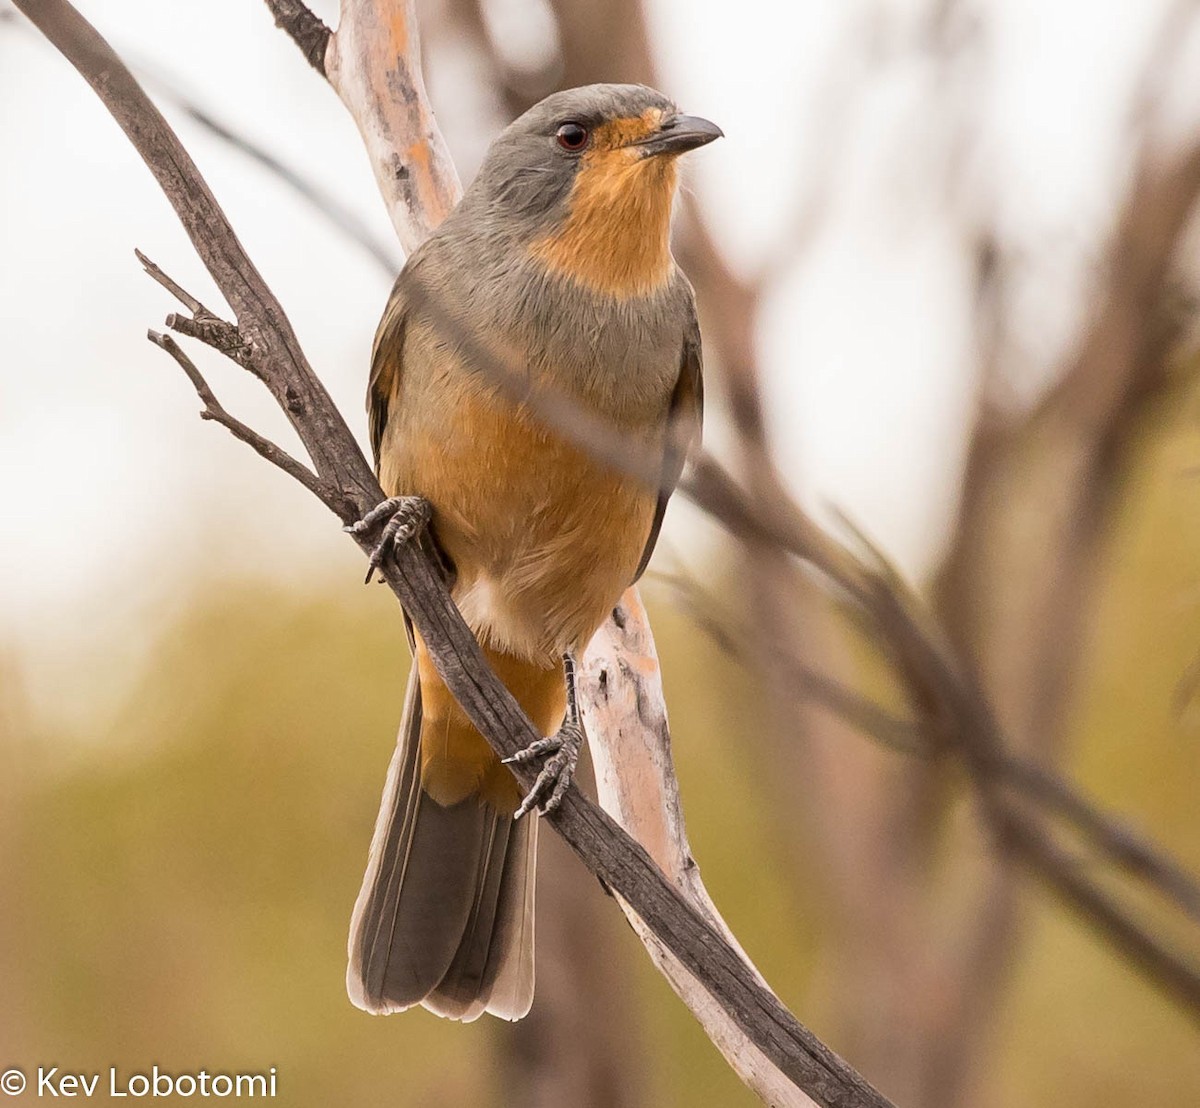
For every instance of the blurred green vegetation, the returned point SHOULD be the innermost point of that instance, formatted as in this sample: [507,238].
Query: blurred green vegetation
[178,884]
[1081,1028]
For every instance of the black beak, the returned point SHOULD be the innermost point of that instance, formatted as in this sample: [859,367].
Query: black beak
[679,134]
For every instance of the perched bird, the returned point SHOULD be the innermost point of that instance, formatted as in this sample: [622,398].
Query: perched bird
[556,267]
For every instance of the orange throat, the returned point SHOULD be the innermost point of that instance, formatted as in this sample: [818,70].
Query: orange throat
[616,239]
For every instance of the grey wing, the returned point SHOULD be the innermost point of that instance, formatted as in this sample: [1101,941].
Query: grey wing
[387,357]
[684,419]
[386,367]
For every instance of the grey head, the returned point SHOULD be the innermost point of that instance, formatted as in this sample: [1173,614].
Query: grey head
[532,166]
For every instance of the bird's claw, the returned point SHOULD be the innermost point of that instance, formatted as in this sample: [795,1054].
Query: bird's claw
[552,782]
[406,516]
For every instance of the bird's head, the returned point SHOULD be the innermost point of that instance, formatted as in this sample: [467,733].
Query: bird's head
[585,180]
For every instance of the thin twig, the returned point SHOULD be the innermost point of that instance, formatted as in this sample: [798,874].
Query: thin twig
[713,490]
[203,324]
[198,310]
[860,711]
[214,410]
[221,335]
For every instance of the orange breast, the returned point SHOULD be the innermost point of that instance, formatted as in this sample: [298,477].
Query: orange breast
[543,538]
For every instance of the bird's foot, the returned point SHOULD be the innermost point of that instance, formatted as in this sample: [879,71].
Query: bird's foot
[562,749]
[406,516]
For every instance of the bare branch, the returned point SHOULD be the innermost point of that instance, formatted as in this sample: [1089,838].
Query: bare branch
[203,324]
[1119,844]
[222,336]
[1177,976]
[636,782]
[198,310]
[305,29]
[1071,452]
[374,64]
[860,711]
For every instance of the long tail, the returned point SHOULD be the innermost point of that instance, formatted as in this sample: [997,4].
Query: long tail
[445,914]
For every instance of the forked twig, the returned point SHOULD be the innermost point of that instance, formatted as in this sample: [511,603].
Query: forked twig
[214,410]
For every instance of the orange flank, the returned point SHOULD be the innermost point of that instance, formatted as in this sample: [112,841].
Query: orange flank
[456,760]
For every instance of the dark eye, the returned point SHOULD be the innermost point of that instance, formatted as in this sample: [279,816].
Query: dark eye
[572,136]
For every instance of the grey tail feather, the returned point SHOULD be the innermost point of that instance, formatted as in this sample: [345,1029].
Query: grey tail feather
[445,913]
[493,968]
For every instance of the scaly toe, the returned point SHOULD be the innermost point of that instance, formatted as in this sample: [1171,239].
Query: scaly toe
[531,798]
[558,772]
[565,775]
[548,745]
[406,517]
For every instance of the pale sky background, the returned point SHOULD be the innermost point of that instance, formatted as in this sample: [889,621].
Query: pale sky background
[113,489]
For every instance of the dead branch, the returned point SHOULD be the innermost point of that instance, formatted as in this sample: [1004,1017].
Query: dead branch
[350,490]
[1117,843]
[1016,588]
[945,691]
[307,31]
[636,782]
[373,62]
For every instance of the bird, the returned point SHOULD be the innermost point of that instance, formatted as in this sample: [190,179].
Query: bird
[553,273]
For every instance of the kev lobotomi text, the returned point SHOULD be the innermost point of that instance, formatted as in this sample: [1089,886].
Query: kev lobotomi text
[53,1081]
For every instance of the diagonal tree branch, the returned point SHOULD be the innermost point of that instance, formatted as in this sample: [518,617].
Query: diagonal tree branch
[373,62]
